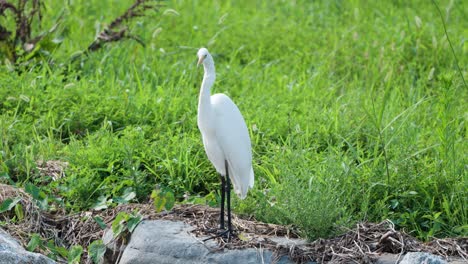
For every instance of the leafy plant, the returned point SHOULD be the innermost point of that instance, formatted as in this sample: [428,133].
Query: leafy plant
[39,196]
[96,251]
[74,255]
[122,226]
[361,122]
[36,243]
[17,41]
[19,45]
[162,199]
[8,204]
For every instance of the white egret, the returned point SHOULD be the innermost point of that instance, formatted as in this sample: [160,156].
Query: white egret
[226,139]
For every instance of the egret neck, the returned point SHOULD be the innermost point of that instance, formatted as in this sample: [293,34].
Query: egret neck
[204,101]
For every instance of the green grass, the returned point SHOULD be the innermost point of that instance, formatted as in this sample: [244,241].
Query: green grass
[356,110]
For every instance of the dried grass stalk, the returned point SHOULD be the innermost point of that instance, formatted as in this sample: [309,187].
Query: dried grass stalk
[117,31]
[362,244]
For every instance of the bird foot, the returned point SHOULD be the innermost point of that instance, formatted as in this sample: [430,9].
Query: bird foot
[227,234]
[214,230]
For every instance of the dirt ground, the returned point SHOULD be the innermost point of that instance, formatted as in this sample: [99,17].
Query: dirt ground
[362,244]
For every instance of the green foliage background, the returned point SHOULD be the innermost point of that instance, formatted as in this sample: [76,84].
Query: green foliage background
[356,110]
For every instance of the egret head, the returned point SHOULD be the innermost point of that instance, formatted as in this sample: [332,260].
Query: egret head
[203,54]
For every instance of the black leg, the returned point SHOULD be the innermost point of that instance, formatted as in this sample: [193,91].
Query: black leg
[228,194]
[223,193]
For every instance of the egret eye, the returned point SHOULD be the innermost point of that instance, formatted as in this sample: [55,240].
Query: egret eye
[206,55]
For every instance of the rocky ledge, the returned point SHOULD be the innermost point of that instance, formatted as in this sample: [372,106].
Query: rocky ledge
[12,252]
[163,241]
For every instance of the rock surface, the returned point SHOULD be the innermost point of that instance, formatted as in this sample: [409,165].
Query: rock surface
[416,258]
[387,259]
[162,242]
[12,252]
[421,257]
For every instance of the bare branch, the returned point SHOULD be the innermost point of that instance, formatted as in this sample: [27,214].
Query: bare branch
[115,32]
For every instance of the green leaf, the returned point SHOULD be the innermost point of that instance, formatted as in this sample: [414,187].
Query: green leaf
[74,256]
[133,222]
[101,203]
[43,204]
[170,200]
[158,200]
[461,229]
[126,197]
[4,175]
[96,251]
[34,242]
[129,196]
[100,222]
[436,215]
[19,212]
[8,204]
[57,250]
[118,225]
[32,190]
[37,195]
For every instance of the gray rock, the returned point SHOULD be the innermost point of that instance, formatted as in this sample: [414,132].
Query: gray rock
[455,260]
[387,259]
[162,242]
[422,257]
[12,252]
[416,258]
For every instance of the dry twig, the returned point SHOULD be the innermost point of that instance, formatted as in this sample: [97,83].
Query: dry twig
[360,245]
[117,31]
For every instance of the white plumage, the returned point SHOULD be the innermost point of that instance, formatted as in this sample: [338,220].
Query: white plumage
[224,132]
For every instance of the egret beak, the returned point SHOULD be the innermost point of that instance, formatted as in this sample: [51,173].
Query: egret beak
[200,60]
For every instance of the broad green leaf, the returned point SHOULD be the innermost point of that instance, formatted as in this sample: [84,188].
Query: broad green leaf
[43,204]
[57,250]
[154,193]
[8,204]
[126,197]
[159,203]
[101,203]
[37,195]
[34,242]
[96,251]
[159,200]
[133,222]
[19,212]
[170,200]
[118,225]
[32,190]
[100,222]
[74,256]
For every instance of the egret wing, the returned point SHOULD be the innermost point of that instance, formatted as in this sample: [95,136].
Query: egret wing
[233,138]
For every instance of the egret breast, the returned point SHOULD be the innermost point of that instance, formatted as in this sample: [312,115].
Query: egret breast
[214,152]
